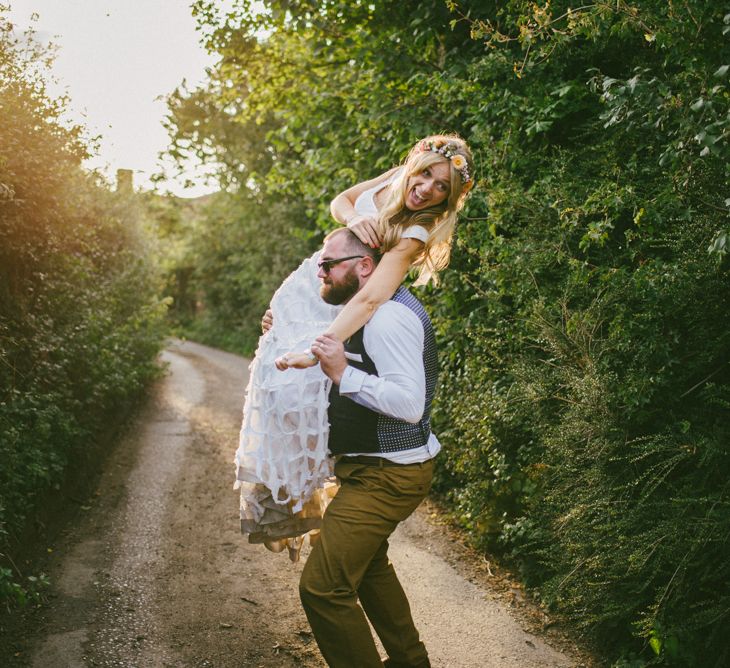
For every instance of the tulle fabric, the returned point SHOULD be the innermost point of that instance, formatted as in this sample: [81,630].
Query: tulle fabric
[283,467]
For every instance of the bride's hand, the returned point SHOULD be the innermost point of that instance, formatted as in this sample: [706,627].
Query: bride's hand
[365,228]
[295,361]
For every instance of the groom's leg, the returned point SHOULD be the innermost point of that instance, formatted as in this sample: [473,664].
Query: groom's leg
[372,500]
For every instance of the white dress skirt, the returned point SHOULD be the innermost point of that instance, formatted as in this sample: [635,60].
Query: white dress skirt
[284,470]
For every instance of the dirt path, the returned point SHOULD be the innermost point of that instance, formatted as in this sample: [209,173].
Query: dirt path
[155,573]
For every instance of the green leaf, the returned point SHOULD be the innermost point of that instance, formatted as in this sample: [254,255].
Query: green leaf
[720,244]
[671,647]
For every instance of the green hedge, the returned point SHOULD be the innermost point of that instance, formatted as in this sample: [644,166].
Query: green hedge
[79,317]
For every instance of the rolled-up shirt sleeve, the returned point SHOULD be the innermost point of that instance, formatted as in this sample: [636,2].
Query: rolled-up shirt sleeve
[393,339]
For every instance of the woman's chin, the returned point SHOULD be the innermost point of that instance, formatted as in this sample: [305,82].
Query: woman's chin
[412,205]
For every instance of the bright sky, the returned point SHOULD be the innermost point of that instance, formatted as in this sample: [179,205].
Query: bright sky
[116,58]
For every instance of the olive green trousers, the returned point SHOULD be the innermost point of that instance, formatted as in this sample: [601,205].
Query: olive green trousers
[350,563]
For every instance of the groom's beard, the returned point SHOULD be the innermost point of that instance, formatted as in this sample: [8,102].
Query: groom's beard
[339,293]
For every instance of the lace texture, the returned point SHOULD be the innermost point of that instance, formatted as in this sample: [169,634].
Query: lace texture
[282,462]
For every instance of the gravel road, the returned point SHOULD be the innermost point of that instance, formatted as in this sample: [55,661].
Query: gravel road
[155,573]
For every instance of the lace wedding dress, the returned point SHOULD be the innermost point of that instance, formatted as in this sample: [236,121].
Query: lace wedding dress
[283,466]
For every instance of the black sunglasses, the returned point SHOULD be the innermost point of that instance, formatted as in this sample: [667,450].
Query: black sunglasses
[326,265]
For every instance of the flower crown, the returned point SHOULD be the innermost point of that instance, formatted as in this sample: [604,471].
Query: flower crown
[449,151]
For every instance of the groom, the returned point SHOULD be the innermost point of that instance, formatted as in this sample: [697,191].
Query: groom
[383,378]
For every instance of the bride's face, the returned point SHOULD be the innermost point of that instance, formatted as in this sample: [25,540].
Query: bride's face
[429,187]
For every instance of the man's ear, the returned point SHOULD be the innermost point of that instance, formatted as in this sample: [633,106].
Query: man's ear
[367,266]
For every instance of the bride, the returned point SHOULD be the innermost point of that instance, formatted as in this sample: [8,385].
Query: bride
[283,465]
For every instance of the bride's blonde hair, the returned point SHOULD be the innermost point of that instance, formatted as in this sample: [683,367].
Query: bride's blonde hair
[394,218]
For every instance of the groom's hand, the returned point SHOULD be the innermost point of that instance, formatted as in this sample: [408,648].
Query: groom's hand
[331,355]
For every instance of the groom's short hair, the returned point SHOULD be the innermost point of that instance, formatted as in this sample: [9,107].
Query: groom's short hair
[353,245]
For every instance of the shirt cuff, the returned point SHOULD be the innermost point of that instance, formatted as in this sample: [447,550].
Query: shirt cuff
[352,380]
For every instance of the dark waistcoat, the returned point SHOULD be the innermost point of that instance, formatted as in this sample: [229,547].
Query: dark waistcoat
[354,428]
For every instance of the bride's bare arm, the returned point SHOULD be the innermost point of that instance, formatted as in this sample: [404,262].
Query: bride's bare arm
[343,210]
[386,279]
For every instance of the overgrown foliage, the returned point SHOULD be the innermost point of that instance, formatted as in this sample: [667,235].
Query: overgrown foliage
[584,322]
[79,319]
[222,257]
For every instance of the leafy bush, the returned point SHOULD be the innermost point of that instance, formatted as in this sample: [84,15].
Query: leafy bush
[79,321]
